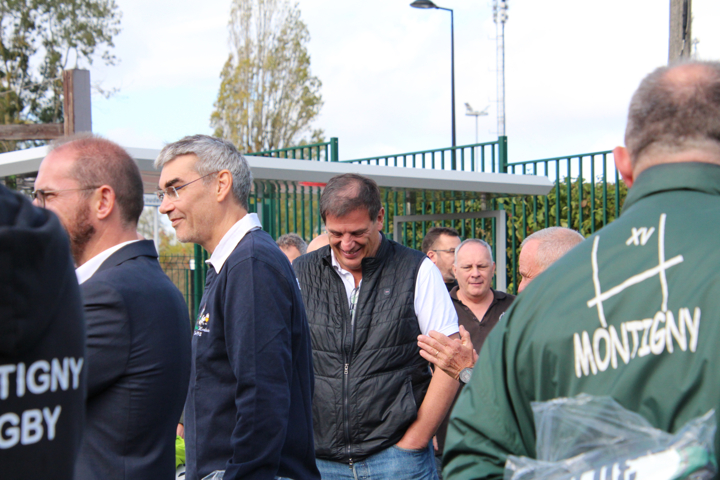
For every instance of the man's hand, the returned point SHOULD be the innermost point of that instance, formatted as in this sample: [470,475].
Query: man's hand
[448,354]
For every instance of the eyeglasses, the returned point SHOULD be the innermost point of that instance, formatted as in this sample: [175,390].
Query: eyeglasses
[41,195]
[449,250]
[172,192]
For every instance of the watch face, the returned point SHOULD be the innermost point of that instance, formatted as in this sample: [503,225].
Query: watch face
[465,375]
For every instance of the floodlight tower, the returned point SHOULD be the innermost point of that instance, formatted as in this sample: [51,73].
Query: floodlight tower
[500,16]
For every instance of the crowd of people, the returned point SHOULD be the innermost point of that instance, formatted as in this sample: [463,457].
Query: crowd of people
[344,358]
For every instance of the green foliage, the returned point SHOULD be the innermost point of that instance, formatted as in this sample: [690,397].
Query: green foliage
[38,40]
[587,213]
[268,96]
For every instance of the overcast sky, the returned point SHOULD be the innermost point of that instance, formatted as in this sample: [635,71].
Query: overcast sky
[571,68]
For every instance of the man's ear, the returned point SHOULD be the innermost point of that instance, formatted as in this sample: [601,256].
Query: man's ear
[224,185]
[624,165]
[381,218]
[103,201]
[431,255]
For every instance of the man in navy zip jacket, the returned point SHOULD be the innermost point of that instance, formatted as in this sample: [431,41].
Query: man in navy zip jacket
[137,323]
[43,336]
[248,410]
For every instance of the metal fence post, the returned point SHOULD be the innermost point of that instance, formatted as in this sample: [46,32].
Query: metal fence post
[334,155]
[198,280]
[502,153]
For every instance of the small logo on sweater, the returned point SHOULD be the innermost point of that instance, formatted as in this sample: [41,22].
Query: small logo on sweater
[387,291]
[202,323]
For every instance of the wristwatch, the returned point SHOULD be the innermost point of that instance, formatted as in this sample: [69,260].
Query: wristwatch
[465,375]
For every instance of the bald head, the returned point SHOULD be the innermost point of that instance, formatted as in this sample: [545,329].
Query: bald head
[675,109]
[98,161]
[542,249]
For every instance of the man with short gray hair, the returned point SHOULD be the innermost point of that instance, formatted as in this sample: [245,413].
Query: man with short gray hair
[248,410]
[543,248]
[479,307]
[292,245]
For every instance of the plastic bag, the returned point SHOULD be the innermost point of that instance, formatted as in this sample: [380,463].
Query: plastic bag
[594,438]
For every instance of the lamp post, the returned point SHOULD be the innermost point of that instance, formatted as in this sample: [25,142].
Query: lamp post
[429,4]
[472,113]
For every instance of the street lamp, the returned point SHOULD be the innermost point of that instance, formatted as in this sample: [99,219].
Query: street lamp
[429,4]
[472,113]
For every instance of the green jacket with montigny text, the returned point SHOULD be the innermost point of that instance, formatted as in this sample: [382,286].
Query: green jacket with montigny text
[632,312]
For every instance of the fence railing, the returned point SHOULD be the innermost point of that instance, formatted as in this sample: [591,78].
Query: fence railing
[587,195]
[477,157]
[181,270]
[321,152]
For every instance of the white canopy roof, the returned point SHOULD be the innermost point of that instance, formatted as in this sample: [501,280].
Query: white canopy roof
[450,183]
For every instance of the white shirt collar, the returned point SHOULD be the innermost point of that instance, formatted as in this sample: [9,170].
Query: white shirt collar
[231,238]
[346,276]
[88,269]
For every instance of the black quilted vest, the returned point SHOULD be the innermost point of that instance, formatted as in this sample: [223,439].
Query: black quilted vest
[370,379]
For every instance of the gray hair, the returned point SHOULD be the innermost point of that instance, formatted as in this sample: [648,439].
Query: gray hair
[476,241]
[292,240]
[554,242]
[214,154]
[675,108]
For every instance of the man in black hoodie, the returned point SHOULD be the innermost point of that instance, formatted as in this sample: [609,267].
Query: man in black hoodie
[42,345]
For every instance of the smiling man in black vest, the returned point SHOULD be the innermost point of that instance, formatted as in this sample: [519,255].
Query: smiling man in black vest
[376,404]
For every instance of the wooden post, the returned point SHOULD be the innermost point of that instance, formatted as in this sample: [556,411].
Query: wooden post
[680,30]
[76,110]
[76,101]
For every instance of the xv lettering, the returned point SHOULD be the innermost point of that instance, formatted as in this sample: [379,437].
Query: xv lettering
[640,236]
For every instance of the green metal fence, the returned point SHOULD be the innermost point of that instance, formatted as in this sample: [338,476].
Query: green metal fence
[180,269]
[587,195]
[476,157]
[322,152]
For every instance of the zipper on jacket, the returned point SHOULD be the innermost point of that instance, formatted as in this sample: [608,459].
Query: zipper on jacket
[347,354]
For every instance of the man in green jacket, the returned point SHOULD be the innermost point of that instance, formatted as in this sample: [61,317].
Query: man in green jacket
[632,312]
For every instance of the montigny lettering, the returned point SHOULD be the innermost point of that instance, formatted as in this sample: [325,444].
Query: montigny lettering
[40,376]
[36,378]
[636,338]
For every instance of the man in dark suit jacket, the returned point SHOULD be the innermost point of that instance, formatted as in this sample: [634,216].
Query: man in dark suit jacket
[138,329]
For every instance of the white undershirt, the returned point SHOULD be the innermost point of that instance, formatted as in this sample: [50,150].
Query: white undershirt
[88,269]
[231,238]
[433,305]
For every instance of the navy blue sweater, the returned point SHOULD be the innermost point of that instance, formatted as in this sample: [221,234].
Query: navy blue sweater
[249,407]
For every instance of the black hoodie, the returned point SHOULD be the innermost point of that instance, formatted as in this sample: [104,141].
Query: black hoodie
[42,345]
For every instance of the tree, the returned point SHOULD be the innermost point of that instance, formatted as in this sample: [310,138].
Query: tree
[268,96]
[38,40]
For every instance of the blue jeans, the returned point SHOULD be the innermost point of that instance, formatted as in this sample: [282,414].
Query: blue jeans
[393,463]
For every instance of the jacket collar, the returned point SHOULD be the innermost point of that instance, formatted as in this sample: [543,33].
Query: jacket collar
[697,176]
[143,248]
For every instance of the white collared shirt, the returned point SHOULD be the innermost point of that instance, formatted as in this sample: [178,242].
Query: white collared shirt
[88,269]
[433,306]
[231,238]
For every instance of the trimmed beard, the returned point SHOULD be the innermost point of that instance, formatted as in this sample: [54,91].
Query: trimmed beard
[80,232]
